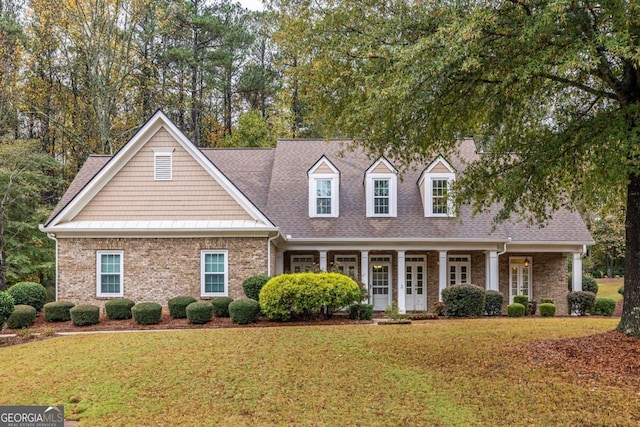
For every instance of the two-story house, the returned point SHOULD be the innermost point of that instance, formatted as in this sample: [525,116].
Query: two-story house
[163,218]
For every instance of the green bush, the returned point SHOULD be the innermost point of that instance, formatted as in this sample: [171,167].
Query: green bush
[547,301]
[464,300]
[521,299]
[589,283]
[604,307]
[547,309]
[58,311]
[178,306]
[581,302]
[493,303]
[23,316]
[621,290]
[253,285]
[29,293]
[221,306]
[6,308]
[199,312]
[306,295]
[147,313]
[359,311]
[515,310]
[119,308]
[84,315]
[244,310]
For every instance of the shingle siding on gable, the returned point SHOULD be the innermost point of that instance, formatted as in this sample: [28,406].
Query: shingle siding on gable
[381,168]
[323,168]
[133,194]
[440,168]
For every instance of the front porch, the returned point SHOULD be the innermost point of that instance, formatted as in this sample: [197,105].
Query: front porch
[415,278]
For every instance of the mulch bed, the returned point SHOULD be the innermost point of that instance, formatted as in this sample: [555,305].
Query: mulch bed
[166,322]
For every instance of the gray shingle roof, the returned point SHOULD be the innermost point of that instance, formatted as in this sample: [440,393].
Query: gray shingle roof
[276,181]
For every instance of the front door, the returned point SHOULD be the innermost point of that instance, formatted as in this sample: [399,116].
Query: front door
[415,278]
[380,282]
[520,278]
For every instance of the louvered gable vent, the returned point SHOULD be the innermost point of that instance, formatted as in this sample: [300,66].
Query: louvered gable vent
[163,168]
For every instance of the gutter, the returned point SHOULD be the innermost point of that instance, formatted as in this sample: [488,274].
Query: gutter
[504,248]
[52,236]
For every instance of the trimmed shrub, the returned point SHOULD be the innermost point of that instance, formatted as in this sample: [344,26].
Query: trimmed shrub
[360,311]
[178,306]
[199,312]
[221,306]
[493,303]
[29,293]
[244,310]
[521,299]
[23,316]
[621,290]
[604,307]
[464,300]
[147,313]
[58,311]
[84,315]
[119,308]
[253,285]
[581,303]
[547,301]
[547,309]
[306,295]
[515,310]
[439,309]
[6,308]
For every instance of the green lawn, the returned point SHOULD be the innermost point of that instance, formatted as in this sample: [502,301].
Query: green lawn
[435,373]
[610,290]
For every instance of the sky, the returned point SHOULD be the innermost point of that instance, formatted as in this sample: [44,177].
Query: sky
[252,4]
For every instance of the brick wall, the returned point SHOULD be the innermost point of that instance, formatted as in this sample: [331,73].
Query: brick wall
[155,270]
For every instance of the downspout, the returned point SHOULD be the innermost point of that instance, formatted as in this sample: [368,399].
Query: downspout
[504,249]
[271,239]
[52,236]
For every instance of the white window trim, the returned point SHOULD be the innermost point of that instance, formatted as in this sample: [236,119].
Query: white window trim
[162,153]
[99,292]
[430,178]
[335,195]
[203,253]
[468,263]
[393,194]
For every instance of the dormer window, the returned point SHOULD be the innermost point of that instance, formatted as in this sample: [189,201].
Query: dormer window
[324,189]
[162,164]
[435,189]
[381,186]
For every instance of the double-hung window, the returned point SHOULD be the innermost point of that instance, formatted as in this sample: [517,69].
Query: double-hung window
[323,197]
[436,184]
[439,192]
[214,273]
[381,197]
[109,273]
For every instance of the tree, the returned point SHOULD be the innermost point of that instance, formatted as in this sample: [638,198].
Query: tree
[550,89]
[25,175]
[253,131]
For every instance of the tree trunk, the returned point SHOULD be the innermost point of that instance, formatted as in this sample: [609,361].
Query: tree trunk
[630,320]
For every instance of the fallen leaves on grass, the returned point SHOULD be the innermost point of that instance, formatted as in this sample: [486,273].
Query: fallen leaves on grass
[610,358]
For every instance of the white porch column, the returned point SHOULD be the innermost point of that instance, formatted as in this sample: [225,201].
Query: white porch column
[323,260]
[577,271]
[364,271]
[402,307]
[442,273]
[279,262]
[494,282]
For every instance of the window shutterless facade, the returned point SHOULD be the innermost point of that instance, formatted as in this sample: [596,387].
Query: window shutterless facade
[214,273]
[439,191]
[324,190]
[109,273]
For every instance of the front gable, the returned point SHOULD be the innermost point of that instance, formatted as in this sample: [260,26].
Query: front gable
[132,190]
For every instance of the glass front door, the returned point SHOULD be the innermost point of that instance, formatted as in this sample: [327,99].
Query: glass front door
[415,284]
[380,282]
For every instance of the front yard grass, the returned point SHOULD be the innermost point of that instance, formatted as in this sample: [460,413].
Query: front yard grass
[433,373]
[609,289]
